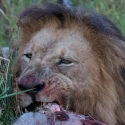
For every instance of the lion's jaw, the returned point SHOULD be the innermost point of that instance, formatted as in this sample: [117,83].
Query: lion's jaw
[64,81]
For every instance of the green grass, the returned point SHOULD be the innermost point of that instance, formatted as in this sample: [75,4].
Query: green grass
[7,105]
[9,10]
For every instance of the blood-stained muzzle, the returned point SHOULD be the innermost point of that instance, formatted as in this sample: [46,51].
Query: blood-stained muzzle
[30,82]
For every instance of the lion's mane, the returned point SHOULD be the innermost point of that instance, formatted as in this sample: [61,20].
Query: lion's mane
[105,98]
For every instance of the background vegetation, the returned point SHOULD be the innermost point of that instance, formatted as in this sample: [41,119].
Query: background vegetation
[9,10]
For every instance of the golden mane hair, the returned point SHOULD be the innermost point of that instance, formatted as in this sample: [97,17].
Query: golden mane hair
[108,46]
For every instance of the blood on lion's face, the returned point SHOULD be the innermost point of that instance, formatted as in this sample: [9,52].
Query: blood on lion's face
[57,67]
[73,59]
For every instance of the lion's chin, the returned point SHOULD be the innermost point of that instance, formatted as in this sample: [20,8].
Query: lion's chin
[33,107]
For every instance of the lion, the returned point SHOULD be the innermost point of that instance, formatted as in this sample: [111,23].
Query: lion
[73,58]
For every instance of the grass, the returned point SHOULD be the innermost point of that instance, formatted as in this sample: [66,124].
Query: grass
[7,105]
[9,10]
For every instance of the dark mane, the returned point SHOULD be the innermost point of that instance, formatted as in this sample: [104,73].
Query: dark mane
[104,26]
[64,16]
[46,12]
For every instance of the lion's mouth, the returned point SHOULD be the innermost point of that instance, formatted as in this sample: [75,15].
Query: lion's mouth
[37,104]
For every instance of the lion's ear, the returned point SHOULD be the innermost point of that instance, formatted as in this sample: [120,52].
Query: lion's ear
[122,72]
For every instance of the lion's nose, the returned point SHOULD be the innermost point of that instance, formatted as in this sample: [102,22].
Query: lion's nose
[32,83]
[34,89]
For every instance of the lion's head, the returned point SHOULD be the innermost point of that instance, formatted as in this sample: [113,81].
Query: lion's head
[73,58]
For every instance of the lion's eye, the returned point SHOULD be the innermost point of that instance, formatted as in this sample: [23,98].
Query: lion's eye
[64,61]
[28,55]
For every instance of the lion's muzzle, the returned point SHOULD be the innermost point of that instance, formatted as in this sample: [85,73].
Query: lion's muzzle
[31,82]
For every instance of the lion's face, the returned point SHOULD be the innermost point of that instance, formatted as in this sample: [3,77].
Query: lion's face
[72,58]
[57,63]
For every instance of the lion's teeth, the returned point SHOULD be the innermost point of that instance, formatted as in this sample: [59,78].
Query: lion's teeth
[44,103]
[25,110]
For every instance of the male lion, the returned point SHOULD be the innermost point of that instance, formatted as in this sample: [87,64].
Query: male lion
[73,58]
